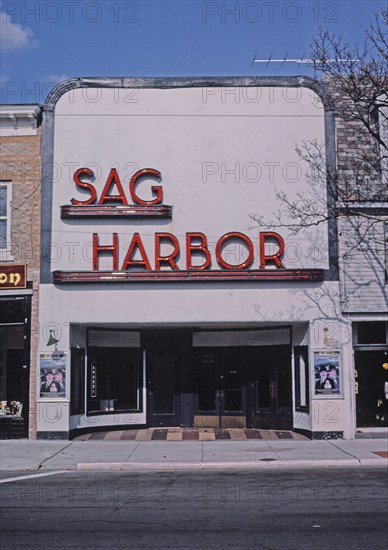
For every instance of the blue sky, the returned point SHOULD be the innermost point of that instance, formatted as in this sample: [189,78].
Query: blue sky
[45,42]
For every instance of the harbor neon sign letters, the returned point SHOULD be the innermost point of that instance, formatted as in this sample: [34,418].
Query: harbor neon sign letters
[196,245]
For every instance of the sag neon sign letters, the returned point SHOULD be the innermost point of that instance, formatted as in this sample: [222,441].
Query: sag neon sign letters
[113,180]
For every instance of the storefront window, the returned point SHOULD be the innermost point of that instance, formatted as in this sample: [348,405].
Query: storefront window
[114,371]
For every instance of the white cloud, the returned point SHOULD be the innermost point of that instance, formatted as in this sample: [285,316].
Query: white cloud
[54,78]
[12,35]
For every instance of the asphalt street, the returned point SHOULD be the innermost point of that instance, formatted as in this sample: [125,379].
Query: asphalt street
[328,508]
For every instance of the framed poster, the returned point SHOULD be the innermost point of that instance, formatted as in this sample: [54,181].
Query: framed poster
[52,375]
[327,372]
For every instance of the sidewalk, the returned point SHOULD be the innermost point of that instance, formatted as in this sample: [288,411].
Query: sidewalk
[189,455]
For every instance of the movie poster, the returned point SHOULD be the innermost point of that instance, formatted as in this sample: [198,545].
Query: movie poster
[327,373]
[52,376]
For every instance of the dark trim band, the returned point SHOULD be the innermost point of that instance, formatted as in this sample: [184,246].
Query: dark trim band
[66,277]
[119,211]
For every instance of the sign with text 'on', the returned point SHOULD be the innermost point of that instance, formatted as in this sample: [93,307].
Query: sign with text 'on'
[13,276]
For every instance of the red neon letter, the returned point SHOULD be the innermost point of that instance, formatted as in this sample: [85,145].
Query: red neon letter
[114,179]
[114,249]
[202,248]
[170,258]
[155,188]
[235,235]
[84,185]
[128,262]
[273,257]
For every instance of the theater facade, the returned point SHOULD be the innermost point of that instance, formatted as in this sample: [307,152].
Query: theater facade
[178,288]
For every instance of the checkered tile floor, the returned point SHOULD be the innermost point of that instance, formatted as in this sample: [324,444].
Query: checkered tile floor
[188,434]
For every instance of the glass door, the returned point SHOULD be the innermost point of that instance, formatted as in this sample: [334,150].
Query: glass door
[220,390]
[163,396]
[270,388]
[372,388]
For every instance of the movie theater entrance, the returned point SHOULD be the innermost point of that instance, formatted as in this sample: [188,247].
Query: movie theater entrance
[210,380]
[243,388]
[191,383]
[166,377]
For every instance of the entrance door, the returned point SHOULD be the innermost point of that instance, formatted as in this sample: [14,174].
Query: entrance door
[166,367]
[14,374]
[372,384]
[220,388]
[163,398]
[270,389]
[271,399]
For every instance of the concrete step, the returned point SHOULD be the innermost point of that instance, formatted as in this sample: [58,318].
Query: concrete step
[190,434]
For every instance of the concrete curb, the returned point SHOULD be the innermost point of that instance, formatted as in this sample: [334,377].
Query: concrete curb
[371,462]
[168,466]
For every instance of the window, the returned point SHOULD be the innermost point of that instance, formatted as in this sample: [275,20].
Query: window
[5,219]
[114,372]
[302,392]
[386,252]
[383,128]
[371,332]
[114,380]
[379,114]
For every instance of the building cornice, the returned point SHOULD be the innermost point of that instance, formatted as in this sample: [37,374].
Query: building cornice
[19,119]
[184,82]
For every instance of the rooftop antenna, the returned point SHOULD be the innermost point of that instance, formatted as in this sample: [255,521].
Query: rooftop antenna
[305,61]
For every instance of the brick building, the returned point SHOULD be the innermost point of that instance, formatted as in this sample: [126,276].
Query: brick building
[20,176]
[362,208]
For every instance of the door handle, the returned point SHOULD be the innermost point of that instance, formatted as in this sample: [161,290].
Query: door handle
[272,389]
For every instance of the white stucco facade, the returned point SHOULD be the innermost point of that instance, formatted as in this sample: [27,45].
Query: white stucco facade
[225,154]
